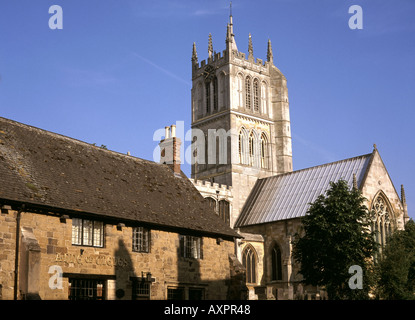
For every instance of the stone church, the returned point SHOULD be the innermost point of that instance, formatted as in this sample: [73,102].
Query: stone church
[243,166]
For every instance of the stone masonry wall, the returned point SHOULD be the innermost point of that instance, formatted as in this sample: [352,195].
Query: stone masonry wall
[116,260]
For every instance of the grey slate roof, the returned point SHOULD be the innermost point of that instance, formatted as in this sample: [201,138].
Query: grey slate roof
[288,195]
[45,169]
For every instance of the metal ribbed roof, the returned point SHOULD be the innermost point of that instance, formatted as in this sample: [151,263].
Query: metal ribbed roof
[288,196]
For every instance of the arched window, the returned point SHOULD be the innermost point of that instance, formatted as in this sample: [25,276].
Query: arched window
[207,91]
[243,147]
[248,97]
[382,222]
[264,151]
[212,202]
[251,148]
[256,95]
[215,94]
[222,86]
[276,263]
[240,90]
[199,97]
[263,98]
[249,261]
[224,211]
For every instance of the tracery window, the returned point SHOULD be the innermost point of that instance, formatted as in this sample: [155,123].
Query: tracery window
[251,148]
[248,97]
[249,261]
[243,146]
[207,86]
[256,95]
[276,263]
[240,90]
[215,94]
[264,151]
[199,97]
[263,98]
[381,219]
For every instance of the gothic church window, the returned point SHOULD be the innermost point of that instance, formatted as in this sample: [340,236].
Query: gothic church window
[276,265]
[251,148]
[381,219]
[263,98]
[222,85]
[224,211]
[256,95]
[240,90]
[207,91]
[249,261]
[264,151]
[248,97]
[243,146]
[211,202]
[199,97]
[215,93]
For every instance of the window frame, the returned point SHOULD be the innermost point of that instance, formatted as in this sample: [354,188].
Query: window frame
[88,241]
[191,247]
[145,233]
[250,262]
[276,263]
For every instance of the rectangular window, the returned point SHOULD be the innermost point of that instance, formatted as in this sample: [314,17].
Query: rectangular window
[141,289]
[87,233]
[175,293]
[86,289]
[141,239]
[191,247]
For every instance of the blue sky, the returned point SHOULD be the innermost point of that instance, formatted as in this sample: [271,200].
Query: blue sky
[121,69]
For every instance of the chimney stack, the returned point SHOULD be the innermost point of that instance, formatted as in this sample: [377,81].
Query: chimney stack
[170,149]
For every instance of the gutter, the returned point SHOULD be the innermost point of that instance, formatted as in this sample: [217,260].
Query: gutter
[16,255]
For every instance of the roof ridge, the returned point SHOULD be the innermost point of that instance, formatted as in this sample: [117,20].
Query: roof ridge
[74,140]
[319,166]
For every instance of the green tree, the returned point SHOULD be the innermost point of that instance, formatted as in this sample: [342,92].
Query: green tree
[397,266]
[335,236]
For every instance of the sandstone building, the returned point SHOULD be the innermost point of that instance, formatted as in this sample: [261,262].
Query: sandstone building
[240,109]
[81,222]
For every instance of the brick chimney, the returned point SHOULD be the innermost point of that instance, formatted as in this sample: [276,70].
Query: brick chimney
[170,149]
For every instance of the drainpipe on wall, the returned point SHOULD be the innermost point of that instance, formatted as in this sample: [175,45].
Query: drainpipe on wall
[16,255]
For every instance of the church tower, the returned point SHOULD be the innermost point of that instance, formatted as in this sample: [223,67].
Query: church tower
[240,118]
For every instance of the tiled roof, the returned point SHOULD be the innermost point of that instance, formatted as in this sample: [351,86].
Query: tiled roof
[41,168]
[288,195]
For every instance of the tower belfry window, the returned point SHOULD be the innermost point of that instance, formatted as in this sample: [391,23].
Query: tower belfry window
[240,90]
[248,97]
[207,85]
[263,99]
[256,95]
[215,94]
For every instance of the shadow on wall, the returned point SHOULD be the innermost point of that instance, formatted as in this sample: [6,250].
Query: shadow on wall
[192,283]
[124,273]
